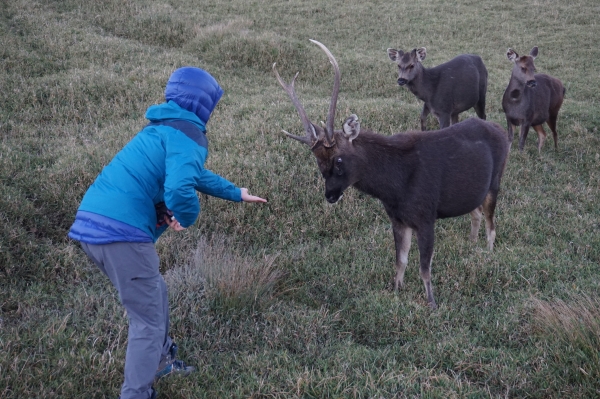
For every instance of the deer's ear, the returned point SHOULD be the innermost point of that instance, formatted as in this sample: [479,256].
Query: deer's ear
[511,55]
[351,127]
[421,54]
[394,54]
[534,52]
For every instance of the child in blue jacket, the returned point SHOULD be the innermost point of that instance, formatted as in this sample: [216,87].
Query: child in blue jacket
[148,186]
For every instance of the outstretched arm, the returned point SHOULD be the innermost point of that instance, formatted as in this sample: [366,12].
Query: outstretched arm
[174,224]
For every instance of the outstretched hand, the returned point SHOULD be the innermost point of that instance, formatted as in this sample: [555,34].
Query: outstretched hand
[174,224]
[250,198]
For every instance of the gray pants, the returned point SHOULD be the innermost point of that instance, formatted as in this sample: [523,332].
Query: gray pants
[132,268]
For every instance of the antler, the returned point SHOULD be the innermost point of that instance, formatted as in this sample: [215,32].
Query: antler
[311,135]
[334,95]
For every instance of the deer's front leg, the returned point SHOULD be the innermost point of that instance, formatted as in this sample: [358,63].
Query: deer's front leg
[510,131]
[454,119]
[523,135]
[425,240]
[424,114]
[402,239]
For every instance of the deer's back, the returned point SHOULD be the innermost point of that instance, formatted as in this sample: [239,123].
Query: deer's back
[554,90]
[457,84]
[432,169]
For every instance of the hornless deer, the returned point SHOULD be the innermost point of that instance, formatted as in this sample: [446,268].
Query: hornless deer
[418,176]
[447,89]
[531,99]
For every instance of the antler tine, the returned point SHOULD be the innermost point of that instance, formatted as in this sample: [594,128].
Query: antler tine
[336,90]
[311,135]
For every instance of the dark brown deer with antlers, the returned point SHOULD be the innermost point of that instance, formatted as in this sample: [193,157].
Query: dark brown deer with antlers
[531,99]
[418,176]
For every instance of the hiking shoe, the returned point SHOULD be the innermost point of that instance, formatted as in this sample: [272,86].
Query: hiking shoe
[170,365]
[177,367]
[171,356]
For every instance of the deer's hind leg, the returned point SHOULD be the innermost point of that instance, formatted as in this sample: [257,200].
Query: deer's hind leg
[553,116]
[476,216]
[480,107]
[489,207]
[402,239]
[541,136]
[552,125]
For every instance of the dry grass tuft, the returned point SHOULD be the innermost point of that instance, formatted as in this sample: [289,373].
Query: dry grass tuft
[235,282]
[571,331]
[577,320]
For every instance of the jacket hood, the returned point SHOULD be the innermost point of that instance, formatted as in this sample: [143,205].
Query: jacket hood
[169,111]
[195,90]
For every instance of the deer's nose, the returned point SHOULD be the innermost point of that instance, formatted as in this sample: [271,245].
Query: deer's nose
[531,83]
[333,198]
[402,81]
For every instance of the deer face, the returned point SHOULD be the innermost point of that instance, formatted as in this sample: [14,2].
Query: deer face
[336,162]
[524,68]
[334,169]
[409,64]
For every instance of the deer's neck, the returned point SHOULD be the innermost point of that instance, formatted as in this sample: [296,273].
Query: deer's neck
[383,171]
[515,90]
[421,85]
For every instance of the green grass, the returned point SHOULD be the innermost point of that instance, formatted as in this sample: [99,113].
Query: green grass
[293,299]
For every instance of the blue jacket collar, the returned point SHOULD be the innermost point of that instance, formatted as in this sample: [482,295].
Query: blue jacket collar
[170,110]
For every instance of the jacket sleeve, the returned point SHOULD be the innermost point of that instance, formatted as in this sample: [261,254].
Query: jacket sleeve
[212,184]
[185,173]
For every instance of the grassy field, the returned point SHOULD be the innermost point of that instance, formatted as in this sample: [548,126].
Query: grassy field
[293,299]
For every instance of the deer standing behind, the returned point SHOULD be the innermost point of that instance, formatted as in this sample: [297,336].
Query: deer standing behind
[531,99]
[418,176]
[447,89]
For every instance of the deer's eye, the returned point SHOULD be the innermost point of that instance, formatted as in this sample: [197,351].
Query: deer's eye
[411,66]
[338,166]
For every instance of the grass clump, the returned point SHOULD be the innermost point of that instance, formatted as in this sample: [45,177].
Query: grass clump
[232,283]
[568,330]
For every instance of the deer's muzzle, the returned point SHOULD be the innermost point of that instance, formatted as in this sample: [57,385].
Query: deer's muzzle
[332,199]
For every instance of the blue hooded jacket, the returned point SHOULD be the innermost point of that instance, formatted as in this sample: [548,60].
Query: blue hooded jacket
[164,162]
